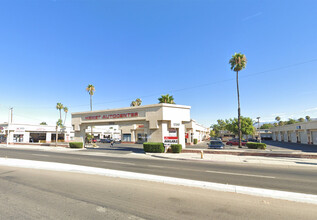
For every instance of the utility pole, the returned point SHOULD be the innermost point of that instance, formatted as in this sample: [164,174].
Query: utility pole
[259,135]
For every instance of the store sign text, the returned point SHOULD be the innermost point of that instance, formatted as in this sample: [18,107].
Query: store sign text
[170,140]
[112,116]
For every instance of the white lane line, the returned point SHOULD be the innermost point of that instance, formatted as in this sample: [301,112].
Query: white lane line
[41,155]
[276,194]
[125,163]
[240,174]
[156,166]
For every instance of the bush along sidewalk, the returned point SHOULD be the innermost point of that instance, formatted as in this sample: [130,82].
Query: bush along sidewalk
[176,148]
[76,144]
[195,141]
[253,145]
[153,147]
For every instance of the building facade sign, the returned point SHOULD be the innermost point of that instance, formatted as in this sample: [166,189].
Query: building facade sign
[112,116]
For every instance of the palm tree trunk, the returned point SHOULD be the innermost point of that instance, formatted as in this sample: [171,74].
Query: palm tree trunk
[239,120]
[56,139]
[90,102]
[60,114]
[65,118]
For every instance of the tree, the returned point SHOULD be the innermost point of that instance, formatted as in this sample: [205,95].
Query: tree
[90,89]
[246,126]
[43,123]
[133,103]
[301,119]
[275,124]
[238,62]
[166,99]
[281,123]
[277,118]
[266,126]
[137,102]
[307,118]
[65,110]
[59,106]
[290,121]
[59,123]
[220,126]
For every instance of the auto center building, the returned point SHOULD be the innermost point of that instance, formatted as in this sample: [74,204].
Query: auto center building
[165,123]
[303,132]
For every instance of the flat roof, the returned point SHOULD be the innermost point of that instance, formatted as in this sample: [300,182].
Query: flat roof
[136,107]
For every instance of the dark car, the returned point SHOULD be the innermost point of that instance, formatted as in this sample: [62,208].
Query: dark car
[105,140]
[216,144]
[236,142]
[252,140]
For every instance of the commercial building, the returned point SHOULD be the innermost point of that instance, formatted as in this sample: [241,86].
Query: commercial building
[303,132]
[196,131]
[152,123]
[108,131]
[25,133]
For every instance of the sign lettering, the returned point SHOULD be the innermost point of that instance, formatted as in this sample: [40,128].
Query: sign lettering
[112,116]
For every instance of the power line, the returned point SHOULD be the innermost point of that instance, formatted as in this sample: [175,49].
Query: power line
[187,88]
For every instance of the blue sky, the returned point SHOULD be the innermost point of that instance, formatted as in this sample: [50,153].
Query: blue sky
[51,50]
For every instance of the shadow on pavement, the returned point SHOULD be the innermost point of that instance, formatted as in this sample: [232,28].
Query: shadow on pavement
[119,148]
[274,145]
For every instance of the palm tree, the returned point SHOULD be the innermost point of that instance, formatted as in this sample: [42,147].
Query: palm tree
[238,63]
[278,118]
[133,103]
[90,89]
[307,118]
[65,110]
[138,101]
[59,106]
[59,123]
[166,99]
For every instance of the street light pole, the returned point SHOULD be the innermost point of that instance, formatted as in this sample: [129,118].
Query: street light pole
[8,128]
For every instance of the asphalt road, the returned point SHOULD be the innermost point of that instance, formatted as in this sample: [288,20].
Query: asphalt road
[293,179]
[36,194]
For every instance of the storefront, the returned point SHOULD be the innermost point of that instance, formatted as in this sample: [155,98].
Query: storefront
[302,132]
[23,133]
[153,123]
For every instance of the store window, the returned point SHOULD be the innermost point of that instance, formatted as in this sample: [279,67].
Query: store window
[17,138]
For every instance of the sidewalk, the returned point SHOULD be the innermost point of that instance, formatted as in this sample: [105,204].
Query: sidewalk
[208,157]
[284,161]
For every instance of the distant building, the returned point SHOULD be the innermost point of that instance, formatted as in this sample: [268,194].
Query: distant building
[302,132]
[26,133]
[196,131]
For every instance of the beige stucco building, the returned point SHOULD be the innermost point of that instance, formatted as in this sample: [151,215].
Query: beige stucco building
[196,131]
[152,123]
[303,132]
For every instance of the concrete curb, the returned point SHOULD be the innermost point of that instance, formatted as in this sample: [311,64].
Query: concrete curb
[260,154]
[276,194]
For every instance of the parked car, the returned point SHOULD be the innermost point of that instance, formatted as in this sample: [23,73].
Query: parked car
[94,140]
[216,144]
[236,142]
[102,140]
[252,140]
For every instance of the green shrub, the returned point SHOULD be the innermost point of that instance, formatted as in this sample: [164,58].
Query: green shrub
[254,145]
[176,148]
[76,144]
[153,147]
[195,141]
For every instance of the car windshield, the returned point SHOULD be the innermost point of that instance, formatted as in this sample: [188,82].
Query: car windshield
[215,142]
